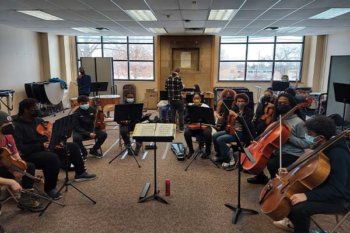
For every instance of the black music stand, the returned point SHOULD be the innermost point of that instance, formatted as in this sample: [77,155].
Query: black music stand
[203,116]
[96,87]
[342,94]
[154,139]
[62,130]
[279,85]
[237,208]
[126,114]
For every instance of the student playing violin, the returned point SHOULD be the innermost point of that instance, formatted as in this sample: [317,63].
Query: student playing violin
[193,130]
[333,195]
[264,112]
[7,176]
[34,148]
[237,127]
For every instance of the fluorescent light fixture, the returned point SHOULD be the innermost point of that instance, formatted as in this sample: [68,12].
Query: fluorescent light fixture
[224,14]
[86,30]
[289,29]
[142,15]
[40,15]
[212,30]
[331,13]
[157,30]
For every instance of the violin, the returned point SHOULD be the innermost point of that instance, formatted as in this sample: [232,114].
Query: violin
[230,127]
[197,126]
[308,172]
[99,122]
[14,164]
[269,110]
[44,128]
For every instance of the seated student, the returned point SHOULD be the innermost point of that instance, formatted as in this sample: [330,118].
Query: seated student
[8,177]
[264,112]
[84,122]
[221,113]
[294,147]
[204,132]
[127,127]
[221,138]
[333,195]
[34,148]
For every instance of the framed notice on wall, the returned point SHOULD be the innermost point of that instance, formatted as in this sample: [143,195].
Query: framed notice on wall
[186,58]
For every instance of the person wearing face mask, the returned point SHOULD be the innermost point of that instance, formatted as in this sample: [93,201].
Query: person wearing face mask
[333,195]
[84,122]
[84,83]
[296,143]
[221,112]
[239,110]
[8,177]
[34,148]
[204,132]
[265,105]
[129,126]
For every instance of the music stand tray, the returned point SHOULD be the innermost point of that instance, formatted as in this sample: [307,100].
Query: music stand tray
[342,94]
[157,132]
[98,86]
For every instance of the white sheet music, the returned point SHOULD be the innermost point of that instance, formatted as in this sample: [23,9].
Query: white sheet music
[154,129]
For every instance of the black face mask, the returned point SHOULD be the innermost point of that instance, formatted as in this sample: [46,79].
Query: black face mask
[266,99]
[35,113]
[8,129]
[282,109]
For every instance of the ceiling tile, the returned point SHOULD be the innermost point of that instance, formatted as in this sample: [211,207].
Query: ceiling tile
[131,4]
[195,5]
[163,4]
[258,4]
[168,15]
[247,14]
[224,4]
[275,14]
[195,14]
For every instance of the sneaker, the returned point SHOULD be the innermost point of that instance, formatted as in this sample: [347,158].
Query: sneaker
[284,224]
[84,176]
[27,202]
[54,194]
[96,153]
[231,163]
[258,179]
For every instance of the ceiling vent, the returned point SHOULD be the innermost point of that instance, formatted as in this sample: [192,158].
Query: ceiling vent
[194,29]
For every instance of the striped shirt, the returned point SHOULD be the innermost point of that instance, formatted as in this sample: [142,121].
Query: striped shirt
[174,87]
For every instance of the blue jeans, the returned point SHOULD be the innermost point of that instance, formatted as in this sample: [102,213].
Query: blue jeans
[221,139]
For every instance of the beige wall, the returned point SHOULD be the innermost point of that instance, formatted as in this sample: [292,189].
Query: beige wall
[20,61]
[336,44]
[189,77]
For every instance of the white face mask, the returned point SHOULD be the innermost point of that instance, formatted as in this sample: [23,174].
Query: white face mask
[310,139]
[130,100]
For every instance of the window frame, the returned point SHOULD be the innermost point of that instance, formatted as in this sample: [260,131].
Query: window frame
[247,43]
[127,42]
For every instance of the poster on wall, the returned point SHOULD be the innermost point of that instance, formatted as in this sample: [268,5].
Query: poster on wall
[187,59]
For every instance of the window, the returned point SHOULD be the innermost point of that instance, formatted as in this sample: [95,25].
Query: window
[260,58]
[133,56]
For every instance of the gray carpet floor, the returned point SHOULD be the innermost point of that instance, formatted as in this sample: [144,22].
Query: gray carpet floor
[196,203]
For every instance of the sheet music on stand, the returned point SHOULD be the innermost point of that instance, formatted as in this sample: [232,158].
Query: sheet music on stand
[160,132]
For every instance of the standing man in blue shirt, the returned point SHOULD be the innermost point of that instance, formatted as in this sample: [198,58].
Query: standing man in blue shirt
[174,87]
[84,83]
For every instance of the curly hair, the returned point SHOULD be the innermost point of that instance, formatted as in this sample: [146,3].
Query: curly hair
[242,96]
[26,104]
[321,125]
[227,91]
[292,104]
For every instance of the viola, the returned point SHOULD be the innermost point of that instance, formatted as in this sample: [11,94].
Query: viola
[269,110]
[305,174]
[99,122]
[197,126]
[230,127]
[14,164]
[44,128]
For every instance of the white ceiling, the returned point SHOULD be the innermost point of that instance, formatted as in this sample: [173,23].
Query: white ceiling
[175,16]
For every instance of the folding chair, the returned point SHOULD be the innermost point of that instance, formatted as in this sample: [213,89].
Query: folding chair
[340,219]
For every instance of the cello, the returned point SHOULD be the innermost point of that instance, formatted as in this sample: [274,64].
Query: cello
[308,172]
[261,150]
